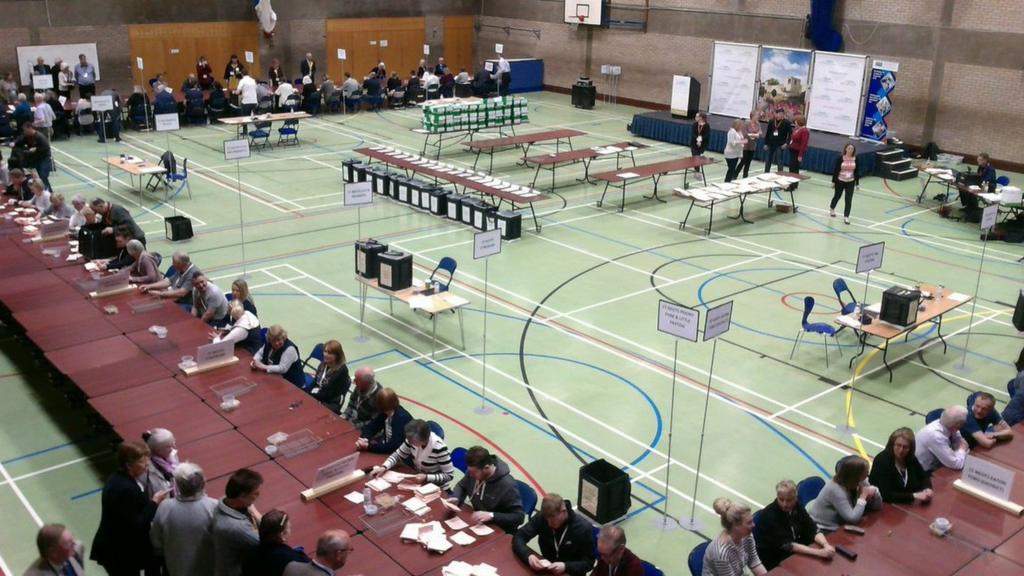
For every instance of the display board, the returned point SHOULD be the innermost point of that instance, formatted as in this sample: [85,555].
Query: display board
[591,11]
[784,74]
[878,103]
[67,52]
[733,79]
[837,91]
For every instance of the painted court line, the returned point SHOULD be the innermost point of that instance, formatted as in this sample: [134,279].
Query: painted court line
[21,496]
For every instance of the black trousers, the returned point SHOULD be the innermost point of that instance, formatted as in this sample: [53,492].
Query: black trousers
[794,167]
[731,169]
[748,157]
[843,188]
[86,91]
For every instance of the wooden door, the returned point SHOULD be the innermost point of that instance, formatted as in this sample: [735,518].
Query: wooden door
[173,49]
[358,37]
[458,43]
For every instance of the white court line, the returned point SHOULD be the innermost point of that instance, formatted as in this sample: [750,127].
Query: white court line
[581,440]
[54,467]
[4,567]
[251,162]
[903,217]
[21,496]
[959,377]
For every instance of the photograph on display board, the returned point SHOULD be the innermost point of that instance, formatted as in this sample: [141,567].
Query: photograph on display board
[784,78]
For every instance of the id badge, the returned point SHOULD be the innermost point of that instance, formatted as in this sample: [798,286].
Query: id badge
[776,133]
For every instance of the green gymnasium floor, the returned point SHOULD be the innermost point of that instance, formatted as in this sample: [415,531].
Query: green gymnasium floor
[576,369]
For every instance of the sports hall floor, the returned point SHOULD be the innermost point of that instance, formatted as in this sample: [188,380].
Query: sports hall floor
[576,369]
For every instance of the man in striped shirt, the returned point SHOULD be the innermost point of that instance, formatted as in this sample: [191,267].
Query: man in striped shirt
[425,452]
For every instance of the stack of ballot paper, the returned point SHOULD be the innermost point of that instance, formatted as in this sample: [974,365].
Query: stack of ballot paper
[427,490]
[379,484]
[431,535]
[460,568]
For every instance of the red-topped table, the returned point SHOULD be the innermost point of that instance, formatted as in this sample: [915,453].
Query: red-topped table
[304,466]
[524,141]
[28,282]
[279,487]
[43,297]
[96,354]
[988,564]
[182,340]
[309,414]
[163,312]
[620,178]
[1007,454]
[498,553]
[120,375]
[142,401]
[72,333]
[585,155]
[188,422]
[1013,548]
[222,453]
[58,313]
[273,398]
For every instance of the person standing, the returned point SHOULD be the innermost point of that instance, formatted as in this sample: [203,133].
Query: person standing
[204,73]
[59,553]
[734,142]
[845,178]
[503,76]
[751,133]
[233,69]
[182,530]
[85,77]
[235,522]
[65,80]
[248,99]
[775,139]
[798,142]
[41,67]
[32,150]
[308,66]
[275,74]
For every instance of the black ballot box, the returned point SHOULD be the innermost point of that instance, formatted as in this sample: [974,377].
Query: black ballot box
[93,245]
[584,94]
[510,223]
[367,253]
[454,205]
[177,228]
[604,492]
[395,270]
[438,204]
[353,170]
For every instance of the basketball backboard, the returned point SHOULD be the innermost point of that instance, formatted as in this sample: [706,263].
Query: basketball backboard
[584,12]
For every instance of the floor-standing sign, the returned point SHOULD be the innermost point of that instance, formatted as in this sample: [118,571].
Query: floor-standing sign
[485,245]
[168,123]
[237,150]
[103,104]
[988,220]
[681,322]
[869,257]
[359,194]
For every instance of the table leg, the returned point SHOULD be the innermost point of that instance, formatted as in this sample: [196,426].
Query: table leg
[686,185]
[792,201]
[862,338]
[944,346]
[687,217]
[533,185]
[462,329]
[622,202]
[606,184]
[654,195]
[586,171]
[885,359]
[526,152]
[433,345]
[391,305]
[711,217]
[741,216]
[923,188]
[536,224]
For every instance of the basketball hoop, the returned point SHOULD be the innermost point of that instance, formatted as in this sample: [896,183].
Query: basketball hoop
[574,26]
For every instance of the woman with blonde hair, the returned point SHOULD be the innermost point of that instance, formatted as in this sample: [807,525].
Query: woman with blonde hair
[734,549]
[734,141]
[244,329]
[331,381]
[240,292]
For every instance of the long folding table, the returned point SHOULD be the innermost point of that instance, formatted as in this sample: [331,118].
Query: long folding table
[524,141]
[586,156]
[620,178]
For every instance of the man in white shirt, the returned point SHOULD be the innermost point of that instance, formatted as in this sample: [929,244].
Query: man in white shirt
[940,443]
[284,90]
[349,86]
[43,116]
[502,75]
[247,97]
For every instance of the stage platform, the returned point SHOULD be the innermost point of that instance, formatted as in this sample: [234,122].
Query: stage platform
[820,157]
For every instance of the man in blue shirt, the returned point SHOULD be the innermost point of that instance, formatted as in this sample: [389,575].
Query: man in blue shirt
[1014,411]
[986,173]
[984,426]
[85,75]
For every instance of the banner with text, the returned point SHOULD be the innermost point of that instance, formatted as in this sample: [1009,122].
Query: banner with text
[837,90]
[879,102]
[733,76]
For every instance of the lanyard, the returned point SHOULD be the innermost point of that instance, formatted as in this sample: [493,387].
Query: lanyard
[903,475]
[558,542]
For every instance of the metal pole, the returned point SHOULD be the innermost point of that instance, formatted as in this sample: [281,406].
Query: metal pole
[667,522]
[241,220]
[974,303]
[864,300]
[484,408]
[359,223]
[703,426]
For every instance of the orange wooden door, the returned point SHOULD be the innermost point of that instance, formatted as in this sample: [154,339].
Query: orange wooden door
[458,43]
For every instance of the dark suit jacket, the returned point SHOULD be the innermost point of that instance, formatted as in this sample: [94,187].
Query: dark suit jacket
[705,135]
[122,539]
[332,392]
[886,478]
[308,70]
[271,560]
[839,165]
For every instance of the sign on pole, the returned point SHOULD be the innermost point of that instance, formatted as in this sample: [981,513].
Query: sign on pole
[42,82]
[717,321]
[166,122]
[989,478]
[486,243]
[138,62]
[102,103]
[677,320]
[236,149]
[869,257]
[250,57]
[426,49]
[988,216]
[342,55]
[358,193]
[499,48]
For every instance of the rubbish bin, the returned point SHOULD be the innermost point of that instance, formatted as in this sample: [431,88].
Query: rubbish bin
[603,492]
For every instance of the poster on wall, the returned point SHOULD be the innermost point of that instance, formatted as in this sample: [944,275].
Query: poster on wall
[879,100]
[837,90]
[733,78]
[784,77]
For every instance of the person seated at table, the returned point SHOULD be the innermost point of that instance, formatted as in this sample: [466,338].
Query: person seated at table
[208,301]
[283,92]
[612,555]
[40,199]
[332,550]
[940,443]
[122,235]
[146,267]
[984,426]
[734,549]
[412,87]
[462,77]
[280,356]
[385,432]
[235,522]
[565,539]
[115,215]
[58,208]
[331,380]
[273,554]
[191,83]
[785,528]
[491,490]
[59,553]
[426,452]
[846,497]
[362,404]
[163,460]
[898,474]
[240,292]
[447,80]
[244,329]
[394,83]
[19,187]
[83,214]
[1014,411]
[22,112]
[178,285]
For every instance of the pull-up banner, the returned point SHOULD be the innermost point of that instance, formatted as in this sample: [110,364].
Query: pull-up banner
[879,103]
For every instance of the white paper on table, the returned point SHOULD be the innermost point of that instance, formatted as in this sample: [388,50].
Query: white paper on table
[379,484]
[847,321]
[484,569]
[408,486]
[875,308]
[392,476]
[628,175]
[414,504]
[482,530]
[428,489]
[456,523]
[457,568]
[74,257]
[411,532]
[958,297]
[419,302]
[91,266]
[462,539]
[354,497]
[439,544]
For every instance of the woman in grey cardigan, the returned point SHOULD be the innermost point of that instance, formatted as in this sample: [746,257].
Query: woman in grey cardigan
[846,497]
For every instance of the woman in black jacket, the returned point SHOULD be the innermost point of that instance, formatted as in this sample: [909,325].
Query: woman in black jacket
[701,135]
[331,381]
[121,544]
[897,474]
[845,177]
[273,553]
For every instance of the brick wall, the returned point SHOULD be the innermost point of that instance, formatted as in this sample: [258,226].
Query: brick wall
[999,15]
[981,109]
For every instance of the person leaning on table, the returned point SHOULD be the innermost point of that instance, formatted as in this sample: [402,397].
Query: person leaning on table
[984,426]
[785,528]
[426,451]
[362,404]
[385,432]
[565,539]
[178,286]
[244,329]
[898,474]
[146,268]
[846,497]
[734,549]
[940,443]
[491,490]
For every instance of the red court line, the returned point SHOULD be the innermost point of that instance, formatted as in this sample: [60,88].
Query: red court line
[508,458]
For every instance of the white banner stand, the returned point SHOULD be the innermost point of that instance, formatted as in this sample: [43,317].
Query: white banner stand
[988,220]
[103,104]
[358,194]
[168,123]
[237,150]
[485,245]
[681,322]
[869,257]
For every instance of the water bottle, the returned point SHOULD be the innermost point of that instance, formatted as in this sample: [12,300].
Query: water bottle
[367,499]
[942,290]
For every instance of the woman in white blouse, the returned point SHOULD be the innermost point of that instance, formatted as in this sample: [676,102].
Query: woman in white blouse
[244,329]
[734,142]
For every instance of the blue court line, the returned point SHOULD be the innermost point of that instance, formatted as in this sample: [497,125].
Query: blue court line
[794,445]
[898,208]
[88,494]
[31,455]
[649,506]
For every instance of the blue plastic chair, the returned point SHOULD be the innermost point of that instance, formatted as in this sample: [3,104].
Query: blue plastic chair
[932,416]
[529,497]
[696,559]
[175,177]
[263,336]
[259,137]
[447,264]
[1003,180]
[652,570]
[808,489]
[436,429]
[826,330]
[459,459]
[839,287]
[289,133]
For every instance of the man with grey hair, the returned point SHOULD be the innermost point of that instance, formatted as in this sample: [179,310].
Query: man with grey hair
[58,208]
[113,215]
[178,286]
[79,218]
[612,555]
[362,404]
[332,550]
[182,530]
[940,442]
